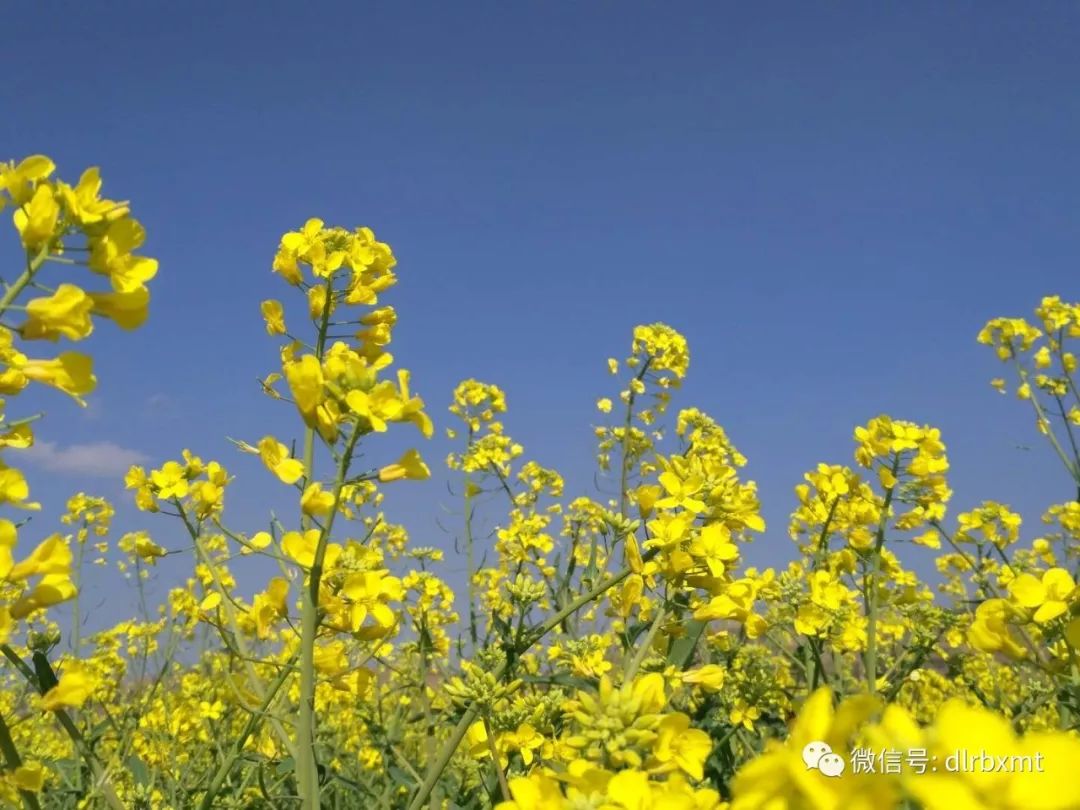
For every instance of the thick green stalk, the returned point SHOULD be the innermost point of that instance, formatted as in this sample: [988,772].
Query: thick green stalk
[308,776]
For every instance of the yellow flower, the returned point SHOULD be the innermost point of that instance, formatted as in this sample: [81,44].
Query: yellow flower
[128,310]
[270,605]
[70,372]
[83,204]
[275,456]
[984,765]
[537,792]
[274,315]
[990,631]
[779,777]
[410,466]
[52,556]
[709,677]
[51,589]
[111,255]
[369,592]
[681,492]
[76,684]
[525,740]
[36,221]
[1048,597]
[14,490]
[171,480]
[315,502]
[301,546]
[305,379]
[66,312]
[20,181]
[29,776]
[680,745]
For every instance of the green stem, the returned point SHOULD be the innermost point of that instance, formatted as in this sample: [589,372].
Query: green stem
[307,776]
[307,770]
[624,461]
[642,652]
[238,744]
[871,588]
[229,607]
[503,787]
[436,768]
[32,266]
[470,554]
[11,757]
[62,717]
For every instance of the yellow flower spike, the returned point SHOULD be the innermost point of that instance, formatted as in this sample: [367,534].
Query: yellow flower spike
[409,467]
[76,685]
[65,313]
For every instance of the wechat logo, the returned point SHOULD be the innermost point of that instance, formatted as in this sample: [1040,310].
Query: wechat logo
[818,755]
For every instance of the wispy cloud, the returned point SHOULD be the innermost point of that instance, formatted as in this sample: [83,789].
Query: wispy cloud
[100,459]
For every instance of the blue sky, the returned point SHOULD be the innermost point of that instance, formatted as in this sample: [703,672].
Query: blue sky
[827,199]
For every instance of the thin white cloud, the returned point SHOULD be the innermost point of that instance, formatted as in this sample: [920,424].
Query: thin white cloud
[99,459]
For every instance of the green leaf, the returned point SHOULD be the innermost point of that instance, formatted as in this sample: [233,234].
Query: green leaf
[682,649]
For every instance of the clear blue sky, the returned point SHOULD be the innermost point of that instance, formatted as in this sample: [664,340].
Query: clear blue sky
[827,199]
